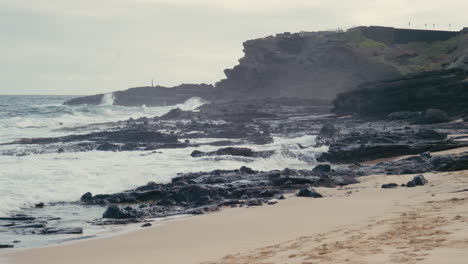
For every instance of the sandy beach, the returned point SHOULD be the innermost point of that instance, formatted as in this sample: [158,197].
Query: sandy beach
[360,223]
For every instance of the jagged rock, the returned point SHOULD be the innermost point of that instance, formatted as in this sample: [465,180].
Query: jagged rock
[231,151]
[107,147]
[115,212]
[61,231]
[87,197]
[193,193]
[166,202]
[6,246]
[254,202]
[246,170]
[272,202]
[38,225]
[267,193]
[178,113]
[389,186]
[18,218]
[309,192]
[418,180]
[322,168]
[328,130]
[426,155]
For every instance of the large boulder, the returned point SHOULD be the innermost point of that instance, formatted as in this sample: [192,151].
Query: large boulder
[322,168]
[115,212]
[418,180]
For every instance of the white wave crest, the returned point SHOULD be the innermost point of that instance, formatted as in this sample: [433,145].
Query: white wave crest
[108,99]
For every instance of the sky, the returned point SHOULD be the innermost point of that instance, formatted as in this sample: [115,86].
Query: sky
[98,46]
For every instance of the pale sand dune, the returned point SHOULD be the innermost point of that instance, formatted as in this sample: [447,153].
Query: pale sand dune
[360,223]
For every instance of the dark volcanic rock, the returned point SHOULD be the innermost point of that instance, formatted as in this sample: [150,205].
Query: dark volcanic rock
[309,192]
[115,212]
[454,162]
[18,218]
[417,181]
[246,170]
[442,162]
[107,147]
[444,90]
[389,186]
[87,197]
[360,143]
[61,231]
[6,246]
[199,194]
[231,151]
[322,168]
[207,191]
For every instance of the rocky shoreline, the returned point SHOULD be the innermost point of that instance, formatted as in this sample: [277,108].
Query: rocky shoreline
[349,141]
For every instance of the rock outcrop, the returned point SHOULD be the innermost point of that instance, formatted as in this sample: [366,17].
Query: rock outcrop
[151,96]
[445,90]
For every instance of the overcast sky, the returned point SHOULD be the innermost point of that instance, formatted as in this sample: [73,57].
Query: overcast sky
[93,46]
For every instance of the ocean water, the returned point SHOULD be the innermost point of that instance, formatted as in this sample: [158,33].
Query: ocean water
[26,180]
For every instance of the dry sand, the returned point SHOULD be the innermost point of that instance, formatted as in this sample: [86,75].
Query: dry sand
[360,223]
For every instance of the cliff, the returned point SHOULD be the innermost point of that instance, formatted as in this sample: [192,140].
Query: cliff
[316,65]
[322,64]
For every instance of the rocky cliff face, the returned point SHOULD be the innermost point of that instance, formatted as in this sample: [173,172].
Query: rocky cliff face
[303,65]
[322,64]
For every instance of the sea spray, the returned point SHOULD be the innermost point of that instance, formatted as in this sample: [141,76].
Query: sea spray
[108,99]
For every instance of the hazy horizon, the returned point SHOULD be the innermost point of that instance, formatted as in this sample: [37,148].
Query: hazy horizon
[87,47]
